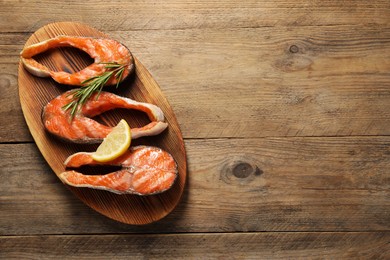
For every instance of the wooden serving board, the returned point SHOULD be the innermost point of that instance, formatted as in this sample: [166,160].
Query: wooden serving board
[35,92]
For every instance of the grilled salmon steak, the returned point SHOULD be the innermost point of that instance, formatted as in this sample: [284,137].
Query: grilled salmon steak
[145,170]
[83,129]
[102,50]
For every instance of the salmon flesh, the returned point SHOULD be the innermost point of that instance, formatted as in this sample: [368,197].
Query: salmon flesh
[145,170]
[102,50]
[83,129]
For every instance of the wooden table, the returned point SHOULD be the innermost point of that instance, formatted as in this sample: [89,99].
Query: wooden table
[285,110]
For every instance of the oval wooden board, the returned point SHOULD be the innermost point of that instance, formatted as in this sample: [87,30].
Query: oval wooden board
[36,92]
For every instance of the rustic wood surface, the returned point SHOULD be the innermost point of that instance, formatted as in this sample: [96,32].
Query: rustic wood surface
[284,108]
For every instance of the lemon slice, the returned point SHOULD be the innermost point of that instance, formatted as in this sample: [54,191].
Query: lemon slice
[114,144]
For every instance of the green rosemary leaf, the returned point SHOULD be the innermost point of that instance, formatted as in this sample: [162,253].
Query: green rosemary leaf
[112,66]
[74,108]
[68,106]
[83,98]
[111,63]
[118,76]
[92,85]
[89,79]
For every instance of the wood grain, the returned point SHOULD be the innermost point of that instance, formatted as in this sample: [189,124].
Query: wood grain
[366,245]
[15,130]
[284,107]
[328,87]
[36,92]
[235,185]
[173,14]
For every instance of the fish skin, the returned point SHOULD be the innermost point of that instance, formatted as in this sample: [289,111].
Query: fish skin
[102,50]
[145,170]
[83,129]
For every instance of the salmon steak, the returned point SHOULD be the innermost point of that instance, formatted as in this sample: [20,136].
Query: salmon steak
[145,170]
[102,50]
[81,128]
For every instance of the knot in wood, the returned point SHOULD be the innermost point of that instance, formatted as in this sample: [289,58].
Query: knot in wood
[294,49]
[240,171]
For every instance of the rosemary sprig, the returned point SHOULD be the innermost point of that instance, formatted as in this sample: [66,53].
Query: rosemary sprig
[92,85]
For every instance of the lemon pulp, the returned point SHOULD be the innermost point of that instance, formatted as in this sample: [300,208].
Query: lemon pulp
[114,144]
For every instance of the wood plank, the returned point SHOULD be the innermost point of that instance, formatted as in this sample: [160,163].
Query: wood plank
[266,184]
[273,82]
[259,88]
[14,127]
[367,245]
[253,82]
[156,15]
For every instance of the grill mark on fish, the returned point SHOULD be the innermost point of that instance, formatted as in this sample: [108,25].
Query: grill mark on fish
[101,50]
[142,172]
[83,129]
